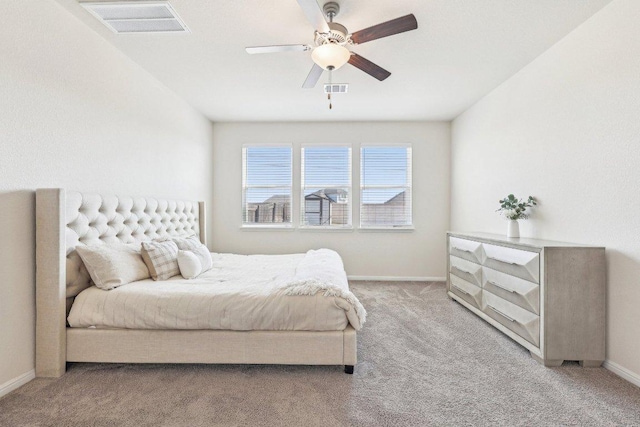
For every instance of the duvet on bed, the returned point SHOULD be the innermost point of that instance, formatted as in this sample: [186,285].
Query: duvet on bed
[306,292]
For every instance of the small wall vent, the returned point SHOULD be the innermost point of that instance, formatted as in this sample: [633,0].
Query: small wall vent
[336,88]
[137,17]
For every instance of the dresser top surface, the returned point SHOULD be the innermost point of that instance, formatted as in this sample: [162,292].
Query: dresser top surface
[519,241]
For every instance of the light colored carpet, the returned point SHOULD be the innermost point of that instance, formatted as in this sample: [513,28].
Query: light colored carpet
[424,360]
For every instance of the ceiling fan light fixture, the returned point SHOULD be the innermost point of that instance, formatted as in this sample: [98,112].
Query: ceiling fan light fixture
[330,55]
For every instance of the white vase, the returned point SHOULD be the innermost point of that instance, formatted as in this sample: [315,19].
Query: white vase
[513,228]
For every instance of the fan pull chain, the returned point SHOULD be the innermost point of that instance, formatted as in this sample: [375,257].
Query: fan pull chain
[329,94]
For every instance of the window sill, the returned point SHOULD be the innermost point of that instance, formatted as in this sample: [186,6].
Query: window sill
[322,229]
[267,228]
[403,229]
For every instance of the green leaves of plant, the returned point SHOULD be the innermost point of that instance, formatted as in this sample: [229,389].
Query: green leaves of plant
[514,208]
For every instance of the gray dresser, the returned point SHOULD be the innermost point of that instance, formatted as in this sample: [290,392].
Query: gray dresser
[547,296]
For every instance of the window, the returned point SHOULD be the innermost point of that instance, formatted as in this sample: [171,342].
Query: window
[266,186]
[385,186]
[326,186]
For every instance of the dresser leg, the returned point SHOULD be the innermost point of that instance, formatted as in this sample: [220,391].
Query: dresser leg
[549,363]
[591,363]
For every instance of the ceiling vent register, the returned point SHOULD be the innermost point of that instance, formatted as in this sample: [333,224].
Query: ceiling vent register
[336,88]
[137,17]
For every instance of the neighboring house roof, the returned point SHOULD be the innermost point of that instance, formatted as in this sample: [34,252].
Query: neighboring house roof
[327,193]
[397,196]
[278,198]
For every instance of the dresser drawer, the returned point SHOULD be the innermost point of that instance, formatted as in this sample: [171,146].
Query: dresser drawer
[518,291]
[466,270]
[465,290]
[466,249]
[521,321]
[516,262]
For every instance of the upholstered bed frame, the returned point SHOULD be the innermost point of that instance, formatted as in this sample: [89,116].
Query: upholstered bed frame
[67,219]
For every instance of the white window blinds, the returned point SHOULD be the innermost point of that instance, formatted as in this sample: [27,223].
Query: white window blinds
[266,185]
[385,186]
[326,186]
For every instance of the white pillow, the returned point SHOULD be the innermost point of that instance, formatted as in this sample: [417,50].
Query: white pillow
[194,245]
[190,265]
[113,265]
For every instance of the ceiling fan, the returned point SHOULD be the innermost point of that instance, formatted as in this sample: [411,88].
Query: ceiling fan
[332,41]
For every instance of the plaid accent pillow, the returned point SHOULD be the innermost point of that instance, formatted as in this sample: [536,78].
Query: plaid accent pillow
[161,259]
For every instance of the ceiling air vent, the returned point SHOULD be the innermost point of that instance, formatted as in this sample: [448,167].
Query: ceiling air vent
[136,17]
[336,88]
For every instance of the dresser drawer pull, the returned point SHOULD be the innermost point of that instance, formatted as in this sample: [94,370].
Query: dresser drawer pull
[461,290]
[511,319]
[462,271]
[461,250]
[498,285]
[503,261]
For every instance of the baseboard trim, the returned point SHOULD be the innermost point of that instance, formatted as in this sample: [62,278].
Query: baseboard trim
[622,372]
[13,384]
[397,278]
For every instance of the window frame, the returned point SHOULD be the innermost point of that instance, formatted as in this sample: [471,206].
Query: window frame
[307,227]
[409,186]
[265,225]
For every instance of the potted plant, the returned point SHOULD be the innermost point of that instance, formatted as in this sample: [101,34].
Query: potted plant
[514,209]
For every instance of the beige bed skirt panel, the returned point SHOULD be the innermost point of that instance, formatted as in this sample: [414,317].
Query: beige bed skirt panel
[211,346]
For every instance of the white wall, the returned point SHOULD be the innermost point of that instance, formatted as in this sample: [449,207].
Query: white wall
[76,113]
[420,253]
[566,129]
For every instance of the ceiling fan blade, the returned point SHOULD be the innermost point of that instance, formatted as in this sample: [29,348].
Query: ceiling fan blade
[389,28]
[278,48]
[313,77]
[314,15]
[368,67]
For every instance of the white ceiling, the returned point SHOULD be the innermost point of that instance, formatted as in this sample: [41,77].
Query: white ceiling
[461,50]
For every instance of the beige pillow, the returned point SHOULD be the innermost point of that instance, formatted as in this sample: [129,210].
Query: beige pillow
[78,278]
[161,258]
[113,265]
[190,265]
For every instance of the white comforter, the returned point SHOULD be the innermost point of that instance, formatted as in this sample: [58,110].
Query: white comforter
[306,292]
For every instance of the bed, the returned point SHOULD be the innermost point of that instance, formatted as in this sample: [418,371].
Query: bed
[297,320]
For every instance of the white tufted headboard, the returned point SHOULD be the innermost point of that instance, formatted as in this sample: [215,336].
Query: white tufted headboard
[67,219]
[94,219]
